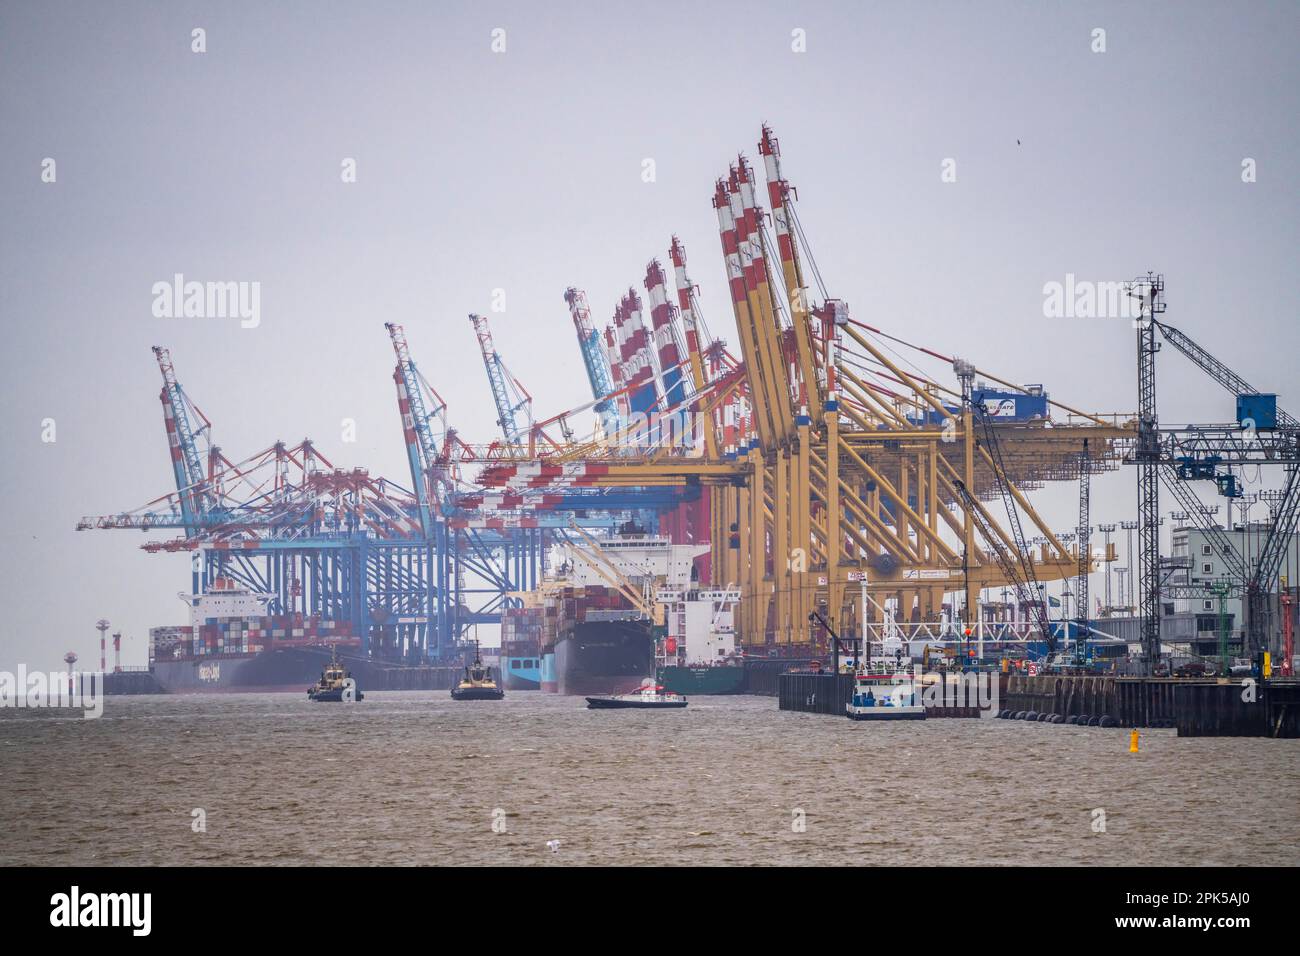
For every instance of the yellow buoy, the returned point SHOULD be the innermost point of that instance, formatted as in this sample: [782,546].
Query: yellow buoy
[1133,742]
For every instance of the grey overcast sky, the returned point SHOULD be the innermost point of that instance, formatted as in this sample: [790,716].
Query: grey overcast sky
[522,171]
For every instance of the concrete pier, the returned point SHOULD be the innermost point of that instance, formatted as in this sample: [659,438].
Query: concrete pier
[1212,707]
[1197,708]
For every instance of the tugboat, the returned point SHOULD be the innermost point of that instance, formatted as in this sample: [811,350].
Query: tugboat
[478,683]
[650,696]
[335,685]
[883,691]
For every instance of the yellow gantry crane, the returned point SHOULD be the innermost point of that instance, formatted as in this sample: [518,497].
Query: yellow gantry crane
[854,472]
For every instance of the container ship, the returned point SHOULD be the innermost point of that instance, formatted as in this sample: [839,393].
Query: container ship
[603,625]
[591,640]
[233,645]
[698,654]
[606,652]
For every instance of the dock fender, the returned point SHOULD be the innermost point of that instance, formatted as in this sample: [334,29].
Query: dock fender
[1058,719]
[1042,718]
[1072,719]
[1108,721]
[1094,721]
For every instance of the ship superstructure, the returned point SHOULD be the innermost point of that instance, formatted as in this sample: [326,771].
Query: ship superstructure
[608,628]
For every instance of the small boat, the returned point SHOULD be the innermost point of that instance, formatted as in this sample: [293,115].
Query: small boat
[884,691]
[335,685]
[650,696]
[478,683]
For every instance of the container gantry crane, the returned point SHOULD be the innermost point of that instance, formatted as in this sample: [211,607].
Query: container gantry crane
[836,468]
[286,523]
[182,438]
[636,362]
[667,342]
[1263,434]
[385,563]
[424,429]
[495,539]
[513,403]
[594,359]
[693,323]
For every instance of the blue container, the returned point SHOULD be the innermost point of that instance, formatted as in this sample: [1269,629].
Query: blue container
[1259,409]
[1011,406]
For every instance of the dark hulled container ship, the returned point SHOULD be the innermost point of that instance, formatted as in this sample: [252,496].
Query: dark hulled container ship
[598,638]
[604,655]
[288,669]
[232,645]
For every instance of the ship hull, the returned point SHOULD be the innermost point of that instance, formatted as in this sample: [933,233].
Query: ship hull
[333,696]
[886,713]
[280,670]
[548,680]
[522,673]
[702,680]
[477,693]
[606,703]
[604,657]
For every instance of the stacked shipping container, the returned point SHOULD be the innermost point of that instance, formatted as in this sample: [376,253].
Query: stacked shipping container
[522,631]
[242,636]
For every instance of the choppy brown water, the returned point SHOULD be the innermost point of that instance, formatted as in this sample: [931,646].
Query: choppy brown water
[414,778]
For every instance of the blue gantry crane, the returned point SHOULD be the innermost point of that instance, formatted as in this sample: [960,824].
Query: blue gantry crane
[513,403]
[593,358]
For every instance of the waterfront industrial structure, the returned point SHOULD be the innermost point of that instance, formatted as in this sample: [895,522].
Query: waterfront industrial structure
[404,570]
[826,470]
[834,471]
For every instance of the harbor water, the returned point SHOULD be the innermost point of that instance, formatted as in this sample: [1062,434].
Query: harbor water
[410,777]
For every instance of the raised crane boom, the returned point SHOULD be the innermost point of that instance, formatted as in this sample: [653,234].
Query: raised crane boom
[514,404]
[691,322]
[187,464]
[593,357]
[665,335]
[635,358]
[418,424]
[779,194]
[1215,368]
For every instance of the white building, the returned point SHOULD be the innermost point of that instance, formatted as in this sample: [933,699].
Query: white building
[1199,562]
